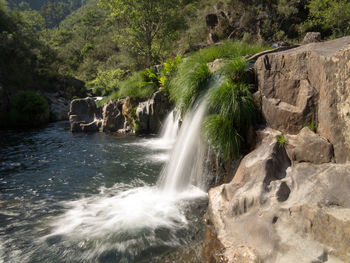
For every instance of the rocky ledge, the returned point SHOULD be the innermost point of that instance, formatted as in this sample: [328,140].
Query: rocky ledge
[122,116]
[289,200]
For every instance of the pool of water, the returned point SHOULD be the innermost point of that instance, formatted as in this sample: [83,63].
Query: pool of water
[90,198]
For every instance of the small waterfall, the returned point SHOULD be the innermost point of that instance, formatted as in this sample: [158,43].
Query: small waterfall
[186,157]
[170,128]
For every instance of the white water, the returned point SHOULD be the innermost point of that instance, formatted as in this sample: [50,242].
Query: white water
[181,171]
[127,219]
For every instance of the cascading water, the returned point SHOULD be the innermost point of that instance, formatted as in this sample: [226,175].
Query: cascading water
[132,220]
[180,171]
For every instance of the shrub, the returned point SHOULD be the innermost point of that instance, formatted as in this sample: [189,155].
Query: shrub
[29,109]
[233,111]
[141,85]
[193,75]
[106,82]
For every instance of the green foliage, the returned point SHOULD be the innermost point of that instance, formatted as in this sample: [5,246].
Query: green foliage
[106,82]
[233,111]
[281,140]
[312,126]
[29,109]
[141,85]
[221,135]
[193,74]
[329,16]
[146,28]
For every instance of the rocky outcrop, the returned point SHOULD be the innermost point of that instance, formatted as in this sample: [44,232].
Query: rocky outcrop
[59,106]
[112,115]
[274,212]
[150,114]
[305,84]
[308,146]
[85,116]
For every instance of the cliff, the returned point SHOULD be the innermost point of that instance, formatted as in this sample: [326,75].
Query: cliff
[288,201]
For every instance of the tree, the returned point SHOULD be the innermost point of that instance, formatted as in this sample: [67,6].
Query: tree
[330,15]
[146,26]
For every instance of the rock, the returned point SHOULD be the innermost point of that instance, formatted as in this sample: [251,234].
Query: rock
[309,83]
[211,20]
[91,127]
[215,65]
[269,209]
[84,115]
[312,37]
[151,113]
[113,119]
[129,113]
[59,106]
[308,146]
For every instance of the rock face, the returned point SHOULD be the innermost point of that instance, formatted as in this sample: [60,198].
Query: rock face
[151,113]
[59,105]
[84,116]
[113,119]
[274,212]
[308,146]
[305,84]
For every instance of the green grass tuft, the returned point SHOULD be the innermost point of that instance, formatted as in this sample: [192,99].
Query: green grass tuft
[281,140]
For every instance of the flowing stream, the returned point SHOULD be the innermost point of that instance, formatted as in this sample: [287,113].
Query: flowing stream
[97,198]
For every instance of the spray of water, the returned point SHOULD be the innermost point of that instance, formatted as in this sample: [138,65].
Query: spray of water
[128,219]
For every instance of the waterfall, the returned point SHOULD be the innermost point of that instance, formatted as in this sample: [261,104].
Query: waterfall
[131,219]
[171,125]
[182,169]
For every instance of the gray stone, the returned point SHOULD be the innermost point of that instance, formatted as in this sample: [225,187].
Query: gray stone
[83,114]
[309,83]
[269,209]
[312,37]
[151,114]
[113,119]
[308,146]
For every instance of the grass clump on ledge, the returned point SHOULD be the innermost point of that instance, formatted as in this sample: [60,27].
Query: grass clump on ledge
[230,103]
[193,75]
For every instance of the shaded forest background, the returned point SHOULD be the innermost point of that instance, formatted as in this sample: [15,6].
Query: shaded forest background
[103,42]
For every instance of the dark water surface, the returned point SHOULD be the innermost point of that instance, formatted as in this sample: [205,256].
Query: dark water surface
[63,197]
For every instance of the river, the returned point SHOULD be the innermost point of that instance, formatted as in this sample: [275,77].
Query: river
[91,198]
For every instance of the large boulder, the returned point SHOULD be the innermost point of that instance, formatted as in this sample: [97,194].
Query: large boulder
[305,84]
[113,119]
[85,116]
[151,113]
[274,212]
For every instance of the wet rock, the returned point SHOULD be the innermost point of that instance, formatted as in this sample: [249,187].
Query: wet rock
[84,115]
[312,37]
[113,118]
[59,105]
[309,83]
[270,208]
[151,113]
[308,146]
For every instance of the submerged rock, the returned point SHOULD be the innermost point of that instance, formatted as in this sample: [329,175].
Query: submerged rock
[305,84]
[270,208]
